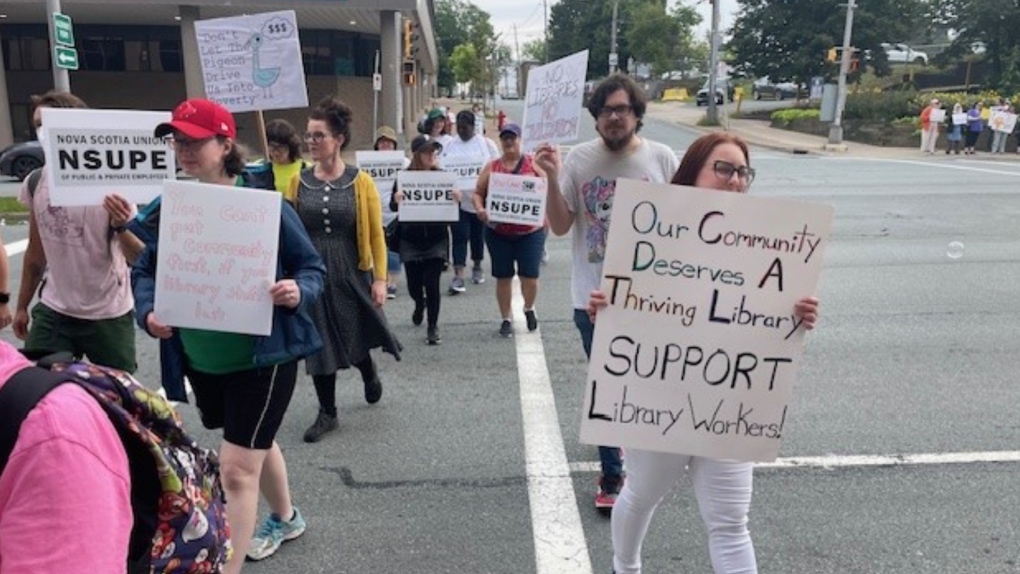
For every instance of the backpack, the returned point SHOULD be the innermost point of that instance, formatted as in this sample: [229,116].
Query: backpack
[177,500]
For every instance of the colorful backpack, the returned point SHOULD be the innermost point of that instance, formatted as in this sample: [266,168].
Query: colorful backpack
[180,524]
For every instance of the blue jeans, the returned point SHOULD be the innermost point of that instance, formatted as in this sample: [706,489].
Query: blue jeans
[468,229]
[612,464]
[393,263]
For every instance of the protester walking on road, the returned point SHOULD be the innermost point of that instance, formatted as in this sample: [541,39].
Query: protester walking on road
[469,231]
[514,249]
[242,383]
[284,153]
[954,133]
[723,488]
[975,125]
[424,246]
[85,304]
[435,125]
[929,128]
[580,197]
[386,140]
[339,207]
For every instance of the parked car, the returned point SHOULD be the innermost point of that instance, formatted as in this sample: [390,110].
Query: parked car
[20,159]
[901,53]
[764,88]
[723,88]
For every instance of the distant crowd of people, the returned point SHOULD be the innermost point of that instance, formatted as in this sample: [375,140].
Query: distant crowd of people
[963,127]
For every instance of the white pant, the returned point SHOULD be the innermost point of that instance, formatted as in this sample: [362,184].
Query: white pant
[929,137]
[723,489]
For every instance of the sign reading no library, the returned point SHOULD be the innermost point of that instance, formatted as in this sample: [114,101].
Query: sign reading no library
[253,62]
[698,350]
[553,103]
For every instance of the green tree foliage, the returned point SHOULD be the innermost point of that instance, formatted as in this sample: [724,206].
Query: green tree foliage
[460,22]
[994,23]
[465,64]
[788,39]
[533,50]
[660,37]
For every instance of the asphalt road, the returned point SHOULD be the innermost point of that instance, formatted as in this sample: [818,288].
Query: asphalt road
[914,355]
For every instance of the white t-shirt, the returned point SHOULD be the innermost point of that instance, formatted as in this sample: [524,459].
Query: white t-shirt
[385,189]
[588,182]
[477,146]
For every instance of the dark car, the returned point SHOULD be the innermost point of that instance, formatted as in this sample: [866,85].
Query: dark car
[723,86]
[20,159]
[764,88]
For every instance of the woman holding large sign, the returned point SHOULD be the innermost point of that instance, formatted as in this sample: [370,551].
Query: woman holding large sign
[242,383]
[339,206]
[723,487]
[515,248]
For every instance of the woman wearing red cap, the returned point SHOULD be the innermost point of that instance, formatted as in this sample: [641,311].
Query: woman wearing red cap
[242,383]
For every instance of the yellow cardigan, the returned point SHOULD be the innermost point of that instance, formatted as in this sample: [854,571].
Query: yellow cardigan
[368,219]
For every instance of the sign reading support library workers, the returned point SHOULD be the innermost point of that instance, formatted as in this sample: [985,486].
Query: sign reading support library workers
[217,257]
[93,153]
[1003,122]
[553,103]
[428,196]
[516,199]
[698,349]
[382,166]
[253,62]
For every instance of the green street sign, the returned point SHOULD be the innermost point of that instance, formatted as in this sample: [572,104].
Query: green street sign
[63,32]
[65,58]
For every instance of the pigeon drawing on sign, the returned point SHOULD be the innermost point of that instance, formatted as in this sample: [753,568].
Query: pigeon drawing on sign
[274,29]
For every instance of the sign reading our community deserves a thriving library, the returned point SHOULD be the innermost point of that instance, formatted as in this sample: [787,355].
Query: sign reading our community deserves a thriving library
[93,153]
[428,196]
[516,199]
[217,257]
[253,62]
[698,349]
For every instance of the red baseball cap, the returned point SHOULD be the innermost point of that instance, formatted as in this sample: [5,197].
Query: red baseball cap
[199,119]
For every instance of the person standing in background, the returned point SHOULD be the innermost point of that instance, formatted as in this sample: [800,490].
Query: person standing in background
[929,128]
[386,140]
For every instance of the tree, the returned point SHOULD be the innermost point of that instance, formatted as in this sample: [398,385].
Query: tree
[994,23]
[660,38]
[465,64]
[788,39]
[533,50]
[460,22]
[576,25]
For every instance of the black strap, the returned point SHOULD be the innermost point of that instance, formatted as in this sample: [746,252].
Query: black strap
[520,164]
[33,180]
[18,397]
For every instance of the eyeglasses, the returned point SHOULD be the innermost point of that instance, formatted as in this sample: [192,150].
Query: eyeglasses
[316,137]
[620,111]
[187,144]
[725,170]
[278,147]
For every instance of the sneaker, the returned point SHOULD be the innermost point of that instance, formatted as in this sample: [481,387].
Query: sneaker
[506,328]
[324,424]
[477,275]
[391,291]
[273,533]
[532,320]
[607,493]
[545,256]
[457,286]
[433,337]
[373,391]
[419,314]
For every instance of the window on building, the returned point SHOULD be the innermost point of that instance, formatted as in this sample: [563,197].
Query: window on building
[26,54]
[102,54]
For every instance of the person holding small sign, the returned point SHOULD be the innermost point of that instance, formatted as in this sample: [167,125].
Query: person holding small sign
[954,134]
[718,161]
[339,207]
[512,245]
[386,140]
[242,383]
[424,245]
[929,128]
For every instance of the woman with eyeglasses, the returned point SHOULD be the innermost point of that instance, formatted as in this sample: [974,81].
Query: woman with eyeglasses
[339,206]
[242,383]
[284,153]
[721,162]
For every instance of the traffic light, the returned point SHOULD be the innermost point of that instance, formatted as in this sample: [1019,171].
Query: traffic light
[410,76]
[408,39]
[830,55]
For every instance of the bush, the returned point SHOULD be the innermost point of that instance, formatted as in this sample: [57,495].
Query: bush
[885,106]
[785,117]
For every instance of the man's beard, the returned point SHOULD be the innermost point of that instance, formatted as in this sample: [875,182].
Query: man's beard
[619,143]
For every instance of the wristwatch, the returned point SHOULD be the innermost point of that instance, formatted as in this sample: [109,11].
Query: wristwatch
[5,298]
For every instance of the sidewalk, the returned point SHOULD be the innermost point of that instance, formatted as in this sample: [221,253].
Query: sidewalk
[759,133]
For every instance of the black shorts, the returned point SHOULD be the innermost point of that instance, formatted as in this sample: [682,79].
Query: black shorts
[247,405]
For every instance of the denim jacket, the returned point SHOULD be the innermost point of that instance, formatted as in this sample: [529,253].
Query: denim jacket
[293,335]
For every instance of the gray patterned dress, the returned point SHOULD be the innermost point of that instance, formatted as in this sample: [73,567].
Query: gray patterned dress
[347,320]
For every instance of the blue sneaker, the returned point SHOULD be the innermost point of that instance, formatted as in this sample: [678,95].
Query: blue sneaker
[273,533]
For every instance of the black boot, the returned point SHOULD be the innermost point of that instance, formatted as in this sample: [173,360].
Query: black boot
[369,375]
[324,424]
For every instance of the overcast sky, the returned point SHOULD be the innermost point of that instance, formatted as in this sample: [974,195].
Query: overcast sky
[527,15]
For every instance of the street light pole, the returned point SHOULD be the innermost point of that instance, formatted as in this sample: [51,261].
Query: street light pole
[836,128]
[613,57]
[61,78]
[713,66]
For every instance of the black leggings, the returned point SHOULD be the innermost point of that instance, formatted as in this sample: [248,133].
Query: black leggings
[423,284]
[325,385]
[972,138]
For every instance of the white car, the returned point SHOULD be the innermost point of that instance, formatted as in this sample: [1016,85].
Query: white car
[903,53]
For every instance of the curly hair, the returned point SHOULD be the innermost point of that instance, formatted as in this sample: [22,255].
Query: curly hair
[337,115]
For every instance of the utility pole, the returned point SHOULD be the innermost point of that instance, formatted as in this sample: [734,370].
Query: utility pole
[613,57]
[61,78]
[517,46]
[836,128]
[545,8]
[713,66]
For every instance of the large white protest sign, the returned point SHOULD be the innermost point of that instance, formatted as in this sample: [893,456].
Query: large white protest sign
[698,349]
[253,62]
[960,119]
[553,103]
[516,199]
[428,196]
[467,168]
[93,153]
[217,257]
[937,116]
[382,166]
[1001,121]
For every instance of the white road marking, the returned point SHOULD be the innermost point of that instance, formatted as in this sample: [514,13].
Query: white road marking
[928,164]
[16,247]
[560,545]
[863,460]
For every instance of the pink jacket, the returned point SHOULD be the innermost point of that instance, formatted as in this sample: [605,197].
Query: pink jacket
[65,495]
